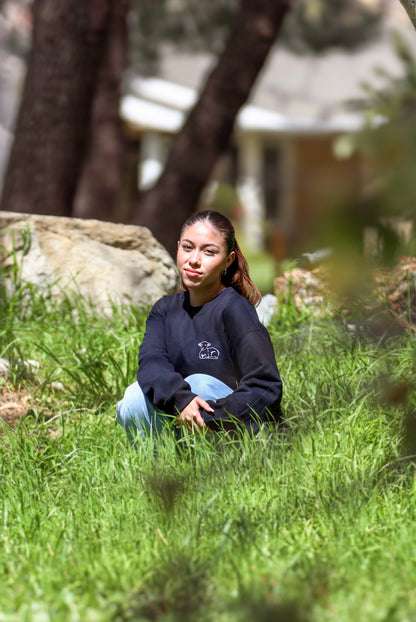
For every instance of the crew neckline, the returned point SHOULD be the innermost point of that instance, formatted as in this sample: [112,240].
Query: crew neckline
[193,310]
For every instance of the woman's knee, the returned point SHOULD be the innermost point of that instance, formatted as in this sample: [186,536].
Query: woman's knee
[132,408]
[208,387]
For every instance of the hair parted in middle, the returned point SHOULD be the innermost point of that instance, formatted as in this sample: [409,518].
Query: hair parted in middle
[237,274]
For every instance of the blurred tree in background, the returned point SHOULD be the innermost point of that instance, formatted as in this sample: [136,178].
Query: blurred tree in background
[190,24]
[388,140]
[384,210]
[66,74]
[208,129]
[68,149]
[67,153]
[316,25]
[100,177]
[410,8]
[311,26]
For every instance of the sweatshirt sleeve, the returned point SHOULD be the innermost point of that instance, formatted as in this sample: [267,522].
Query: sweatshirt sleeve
[259,391]
[159,381]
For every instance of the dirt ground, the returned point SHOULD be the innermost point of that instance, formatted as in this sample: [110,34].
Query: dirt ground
[14,403]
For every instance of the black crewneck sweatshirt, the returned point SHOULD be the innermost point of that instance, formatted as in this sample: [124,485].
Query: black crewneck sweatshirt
[223,338]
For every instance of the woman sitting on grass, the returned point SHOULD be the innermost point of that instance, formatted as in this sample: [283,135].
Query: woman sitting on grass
[206,361]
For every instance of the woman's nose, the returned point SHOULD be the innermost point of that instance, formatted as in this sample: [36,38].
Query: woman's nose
[194,258]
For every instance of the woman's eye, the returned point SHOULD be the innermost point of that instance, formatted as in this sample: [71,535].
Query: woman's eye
[186,247]
[209,252]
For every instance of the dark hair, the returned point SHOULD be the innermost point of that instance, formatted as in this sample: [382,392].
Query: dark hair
[237,275]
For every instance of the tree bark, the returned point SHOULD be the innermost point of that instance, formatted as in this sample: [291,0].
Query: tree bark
[52,127]
[208,129]
[410,8]
[101,176]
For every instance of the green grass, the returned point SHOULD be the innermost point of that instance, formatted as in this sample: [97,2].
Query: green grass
[263,271]
[316,522]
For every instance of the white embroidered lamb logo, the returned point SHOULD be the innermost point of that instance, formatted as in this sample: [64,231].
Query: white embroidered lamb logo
[207,351]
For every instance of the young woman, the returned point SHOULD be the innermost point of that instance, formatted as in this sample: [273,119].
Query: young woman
[205,361]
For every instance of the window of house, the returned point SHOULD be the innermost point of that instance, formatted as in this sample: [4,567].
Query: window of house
[271,181]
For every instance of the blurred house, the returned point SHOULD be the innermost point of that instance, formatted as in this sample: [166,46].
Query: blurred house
[286,166]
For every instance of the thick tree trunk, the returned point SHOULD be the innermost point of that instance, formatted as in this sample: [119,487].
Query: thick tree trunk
[100,181]
[53,121]
[208,129]
[410,8]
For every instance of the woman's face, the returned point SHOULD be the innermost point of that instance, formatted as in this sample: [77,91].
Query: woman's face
[201,258]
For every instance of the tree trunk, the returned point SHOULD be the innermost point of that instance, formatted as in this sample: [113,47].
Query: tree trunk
[410,8]
[100,181]
[208,129]
[53,121]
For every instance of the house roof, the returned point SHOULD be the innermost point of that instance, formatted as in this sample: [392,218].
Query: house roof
[158,105]
[295,93]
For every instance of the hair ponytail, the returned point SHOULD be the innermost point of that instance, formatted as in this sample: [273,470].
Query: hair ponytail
[236,275]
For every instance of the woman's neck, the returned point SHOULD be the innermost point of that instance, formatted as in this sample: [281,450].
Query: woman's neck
[198,297]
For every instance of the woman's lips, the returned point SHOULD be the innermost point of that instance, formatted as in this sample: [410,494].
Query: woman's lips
[190,272]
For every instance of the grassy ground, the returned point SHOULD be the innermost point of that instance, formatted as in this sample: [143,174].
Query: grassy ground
[316,522]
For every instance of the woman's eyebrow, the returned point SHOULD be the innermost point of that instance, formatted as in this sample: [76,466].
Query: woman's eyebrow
[210,244]
[202,245]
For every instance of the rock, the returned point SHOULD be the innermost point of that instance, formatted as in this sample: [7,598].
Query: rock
[398,285]
[383,295]
[266,309]
[4,367]
[105,263]
[304,287]
[57,386]
[27,367]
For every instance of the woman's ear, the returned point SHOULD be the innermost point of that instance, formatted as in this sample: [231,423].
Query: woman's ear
[230,259]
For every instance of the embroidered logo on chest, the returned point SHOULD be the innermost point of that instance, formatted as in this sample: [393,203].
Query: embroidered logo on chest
[207,351]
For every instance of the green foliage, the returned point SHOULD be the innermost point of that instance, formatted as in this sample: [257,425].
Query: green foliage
[191,24]
[262,267]
[312,522]
[316,25]
[312,26]
[387,140]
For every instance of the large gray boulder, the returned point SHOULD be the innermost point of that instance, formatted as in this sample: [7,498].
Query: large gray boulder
[103,262]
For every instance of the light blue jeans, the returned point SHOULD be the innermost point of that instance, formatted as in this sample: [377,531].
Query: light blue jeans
[140,418]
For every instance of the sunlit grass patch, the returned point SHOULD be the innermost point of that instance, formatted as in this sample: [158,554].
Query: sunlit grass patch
[314,521]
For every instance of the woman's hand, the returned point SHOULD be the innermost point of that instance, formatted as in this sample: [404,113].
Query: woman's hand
[191,417]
